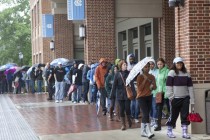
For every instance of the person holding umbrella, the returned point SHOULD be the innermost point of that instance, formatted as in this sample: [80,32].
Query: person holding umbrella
[145,85]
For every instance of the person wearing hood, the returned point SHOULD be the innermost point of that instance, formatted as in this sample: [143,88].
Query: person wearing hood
[135,108]
[100,73]
[153,114]
[131,61]
[92,85]
[77,80]
[114,102]
[161,88]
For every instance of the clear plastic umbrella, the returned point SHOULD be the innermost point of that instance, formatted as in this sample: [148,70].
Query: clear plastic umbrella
[137,69]
[63,61]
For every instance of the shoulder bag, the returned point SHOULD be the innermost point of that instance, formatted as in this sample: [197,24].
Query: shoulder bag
[128,90]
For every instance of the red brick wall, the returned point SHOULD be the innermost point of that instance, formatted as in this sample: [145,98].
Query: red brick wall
[193,38]
[63,30]
[167,34]
[100,30]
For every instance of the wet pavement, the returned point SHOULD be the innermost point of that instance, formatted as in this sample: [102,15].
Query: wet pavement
[61,121]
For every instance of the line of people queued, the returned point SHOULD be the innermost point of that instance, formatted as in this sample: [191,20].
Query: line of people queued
[174,84]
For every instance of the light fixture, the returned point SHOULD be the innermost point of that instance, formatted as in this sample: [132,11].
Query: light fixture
[52,46]
[82,31]
[20,55]
[175,3]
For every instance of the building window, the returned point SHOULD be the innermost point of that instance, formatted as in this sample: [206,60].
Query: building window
[135,33]
[124,38]
[125,54]
[147,30]
[136,55]
[149,52]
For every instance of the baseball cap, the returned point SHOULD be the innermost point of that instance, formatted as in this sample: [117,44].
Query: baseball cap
[178,59]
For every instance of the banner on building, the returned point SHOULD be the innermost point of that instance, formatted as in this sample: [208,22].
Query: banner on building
[47,25]
[76,9]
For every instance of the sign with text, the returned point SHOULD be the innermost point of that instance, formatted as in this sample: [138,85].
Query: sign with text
[47,25]
[76,9]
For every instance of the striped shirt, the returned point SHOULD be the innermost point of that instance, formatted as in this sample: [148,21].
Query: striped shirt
[179,86]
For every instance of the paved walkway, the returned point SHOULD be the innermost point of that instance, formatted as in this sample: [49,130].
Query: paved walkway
[31,117]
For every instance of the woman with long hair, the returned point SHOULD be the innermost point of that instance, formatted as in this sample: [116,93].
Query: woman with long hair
[161,89]
[179,90]
[121,95]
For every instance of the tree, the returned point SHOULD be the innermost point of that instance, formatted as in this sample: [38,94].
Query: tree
[15,32]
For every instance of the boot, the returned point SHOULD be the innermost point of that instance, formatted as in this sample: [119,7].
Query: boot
[123,123]
[158,127]
[111,113]
[148,131]
[118,113]
[143,130]
[170,132]
[184,132]
[129,121]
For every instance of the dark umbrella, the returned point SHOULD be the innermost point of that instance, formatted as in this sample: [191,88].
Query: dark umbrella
[25,68]
[35,65]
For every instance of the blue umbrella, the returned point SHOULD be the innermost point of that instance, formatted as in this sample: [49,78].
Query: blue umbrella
[7,66]
[65,62]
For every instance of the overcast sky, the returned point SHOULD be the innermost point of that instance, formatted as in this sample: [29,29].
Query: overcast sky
[2,6]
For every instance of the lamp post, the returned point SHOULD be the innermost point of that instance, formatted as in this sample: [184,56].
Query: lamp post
[52,47]
[21,58]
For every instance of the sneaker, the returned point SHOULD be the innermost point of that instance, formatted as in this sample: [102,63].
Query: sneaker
[56,101]
[75,102]
[61,101]
[136,120]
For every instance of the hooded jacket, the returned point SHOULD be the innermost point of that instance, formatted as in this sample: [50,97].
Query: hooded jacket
[100,74]
[129,65]
[161,80]
[154,72]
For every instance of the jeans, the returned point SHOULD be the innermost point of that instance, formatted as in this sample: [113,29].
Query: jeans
[32,83]
[39,85]
[93,93]
[103,98]
[135,109]
[59,90]
[153,113]
[77,93]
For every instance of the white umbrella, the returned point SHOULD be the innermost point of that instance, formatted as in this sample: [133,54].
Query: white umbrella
[137,69]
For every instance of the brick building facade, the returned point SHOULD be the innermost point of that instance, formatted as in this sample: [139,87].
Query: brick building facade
[182,31]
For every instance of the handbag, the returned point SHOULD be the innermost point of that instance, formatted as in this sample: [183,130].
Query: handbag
[72,89]
[194,117]
[128,90]
[159,97]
